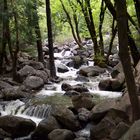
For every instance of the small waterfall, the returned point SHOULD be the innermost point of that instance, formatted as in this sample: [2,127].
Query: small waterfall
[39,111]
[19,108]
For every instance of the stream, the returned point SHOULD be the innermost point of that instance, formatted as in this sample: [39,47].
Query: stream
[37,113]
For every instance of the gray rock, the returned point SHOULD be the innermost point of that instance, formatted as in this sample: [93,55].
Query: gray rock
[33,82]
[42,74]
[103,129]
[83,101]
[133,133]
[61,134]
[26,71]
[45,127]
[83,114]
[16,126]
[110,85]
[119,131]
[99,110]
[91,71]
[66,117]
[62,68]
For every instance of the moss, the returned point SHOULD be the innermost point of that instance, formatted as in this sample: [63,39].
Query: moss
[54,100]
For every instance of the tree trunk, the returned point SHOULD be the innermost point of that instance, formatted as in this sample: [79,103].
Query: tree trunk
[114,31]
[134,51]
[113,12]
[14,67]
[70,23]
[38,34]
[92,28]
[137,8]
[50,40]
[102,13]
[122,22]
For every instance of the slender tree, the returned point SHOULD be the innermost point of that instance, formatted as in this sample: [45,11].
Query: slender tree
[101,18]
[134,50]
[71,25]
[122,22]
[16,50]
[87,12]
[38,34]
[50,40]
[137,8]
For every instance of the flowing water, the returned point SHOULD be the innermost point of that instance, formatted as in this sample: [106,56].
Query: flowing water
[40,111]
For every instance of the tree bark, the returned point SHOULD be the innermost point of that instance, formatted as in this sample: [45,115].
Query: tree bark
[102,13]
[114,32]
[137,8]
[122,22]
[38,34]
[90,24]
[16,50]
[50,40]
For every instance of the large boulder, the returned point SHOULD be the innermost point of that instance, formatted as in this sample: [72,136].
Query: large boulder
[33,82]
[44,128]
[66,117]
[91,71]
[16,126]
[77,61]
[102,130]
[13,94]
[36,65]
[133,133]
[84,100]
[25,71]
[99,110]
[119,131]
[61,134]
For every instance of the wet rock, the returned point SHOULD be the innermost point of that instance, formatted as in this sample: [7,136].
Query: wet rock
[71,93]
[44,128]
[42,74]
[77,88]
[25,71]
[119,131]
[80,88]
[66,117]
[133,133]
[77,61]
[61,134]
[33,82]
[82,78]
[110,85]
[66,87]
[62,68]
[16,126]
[103,129]
[83,101]
[83,114]
[91,71]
